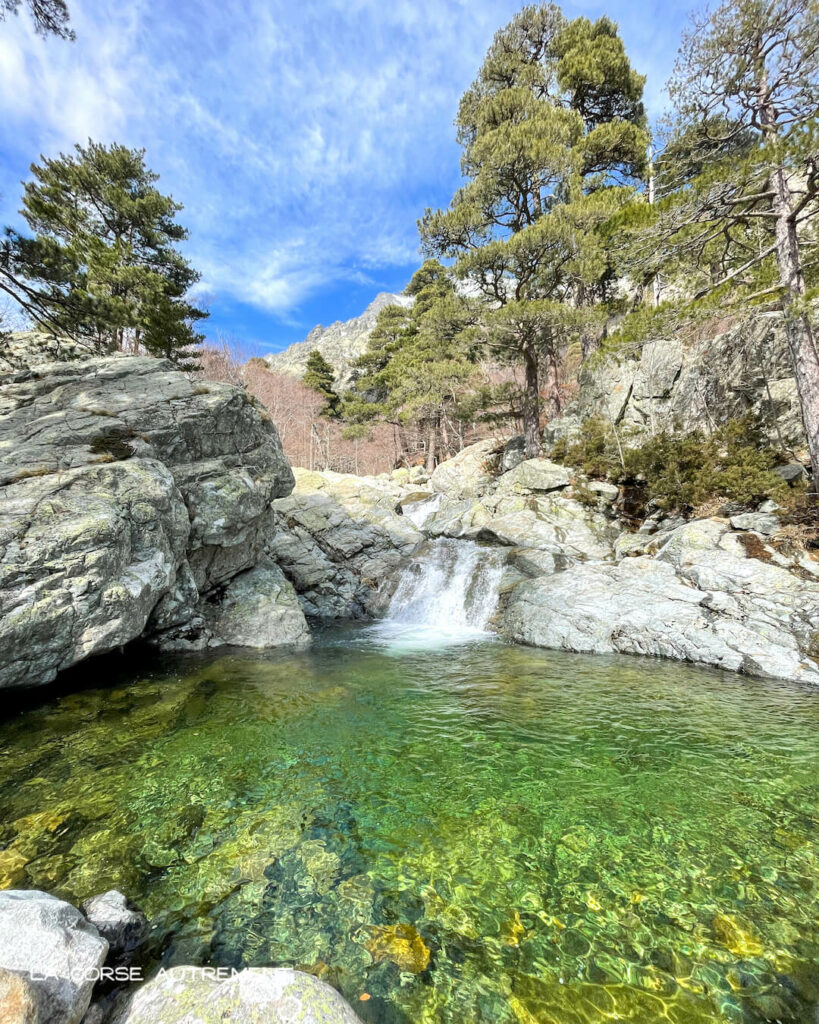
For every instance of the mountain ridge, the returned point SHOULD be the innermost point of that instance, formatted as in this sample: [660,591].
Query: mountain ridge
[341,343]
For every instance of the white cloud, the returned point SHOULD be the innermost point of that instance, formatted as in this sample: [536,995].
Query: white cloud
[303,139]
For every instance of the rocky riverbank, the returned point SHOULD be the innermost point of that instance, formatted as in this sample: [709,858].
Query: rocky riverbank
[58,964]
[138,502]
[726,591]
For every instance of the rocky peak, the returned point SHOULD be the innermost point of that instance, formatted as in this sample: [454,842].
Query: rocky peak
[341,343]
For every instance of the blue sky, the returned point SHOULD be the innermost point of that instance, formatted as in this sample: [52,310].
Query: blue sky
[304,137]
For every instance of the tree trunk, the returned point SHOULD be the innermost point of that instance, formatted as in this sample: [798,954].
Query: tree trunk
[552,386]
[801,339]
[445,435]
[589,338]
[432,442]
[531,404]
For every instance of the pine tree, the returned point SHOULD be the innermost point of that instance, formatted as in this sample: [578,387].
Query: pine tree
[742,172]
[50,17]
[320,377]
[418,363]
[103,265]
[553,136]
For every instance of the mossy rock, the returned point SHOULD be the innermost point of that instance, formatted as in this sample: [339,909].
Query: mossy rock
[400,944]
[12,868]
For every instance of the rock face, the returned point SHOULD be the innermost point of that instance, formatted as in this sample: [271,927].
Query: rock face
[22,350]
[128,491]
[258,608]
[341,343]
[339,540]
[54,949]
[681,385]
[184,995]
[700,596]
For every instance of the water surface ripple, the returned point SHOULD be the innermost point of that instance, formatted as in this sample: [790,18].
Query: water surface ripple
[482,833]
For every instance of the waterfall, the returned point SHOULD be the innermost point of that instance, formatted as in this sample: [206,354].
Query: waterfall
[419,511]
[447,594]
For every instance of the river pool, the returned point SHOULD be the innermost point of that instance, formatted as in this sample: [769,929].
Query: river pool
[448,833]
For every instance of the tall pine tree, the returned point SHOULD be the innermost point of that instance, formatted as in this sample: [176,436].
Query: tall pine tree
[320,376]
[742,173]
[553,134]
[418,363]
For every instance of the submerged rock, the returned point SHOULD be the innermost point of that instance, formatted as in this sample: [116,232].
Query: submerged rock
[261,995]
[400,944]
[12,868]
[55,949]
[737,936]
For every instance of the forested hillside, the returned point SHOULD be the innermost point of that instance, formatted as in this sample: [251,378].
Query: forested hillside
[580,234]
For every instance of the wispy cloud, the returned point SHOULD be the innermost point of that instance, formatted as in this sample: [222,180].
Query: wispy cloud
[304,139]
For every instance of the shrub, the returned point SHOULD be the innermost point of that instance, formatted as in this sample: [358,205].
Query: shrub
[114,443]
[679,472]
[594,450]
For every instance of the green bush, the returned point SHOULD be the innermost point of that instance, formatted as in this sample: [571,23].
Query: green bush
[594,451]
[679,472]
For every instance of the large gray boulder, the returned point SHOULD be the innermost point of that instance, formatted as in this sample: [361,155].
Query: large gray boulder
[258,608]
[121,925]
[128,490]
[340,541]
[55,949]
[192,995]
[471,471]
[701,596]
[535,475]
[85,556]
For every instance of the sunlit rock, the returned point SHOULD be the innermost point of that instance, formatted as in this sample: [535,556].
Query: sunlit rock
[182,995]
[54,948]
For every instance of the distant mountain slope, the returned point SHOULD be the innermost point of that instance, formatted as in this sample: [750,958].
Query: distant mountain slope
[341,343]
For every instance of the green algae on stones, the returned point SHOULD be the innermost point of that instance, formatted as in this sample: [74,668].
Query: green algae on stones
[491,834]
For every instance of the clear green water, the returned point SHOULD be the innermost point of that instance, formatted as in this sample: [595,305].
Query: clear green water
[573,839]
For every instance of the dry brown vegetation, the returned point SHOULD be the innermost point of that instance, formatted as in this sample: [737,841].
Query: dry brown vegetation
[313,441]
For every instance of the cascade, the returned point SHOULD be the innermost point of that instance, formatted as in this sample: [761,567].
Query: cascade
[447,594]
[419,511]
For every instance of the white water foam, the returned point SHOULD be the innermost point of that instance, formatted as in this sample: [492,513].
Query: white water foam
[446,595]
[419,511]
